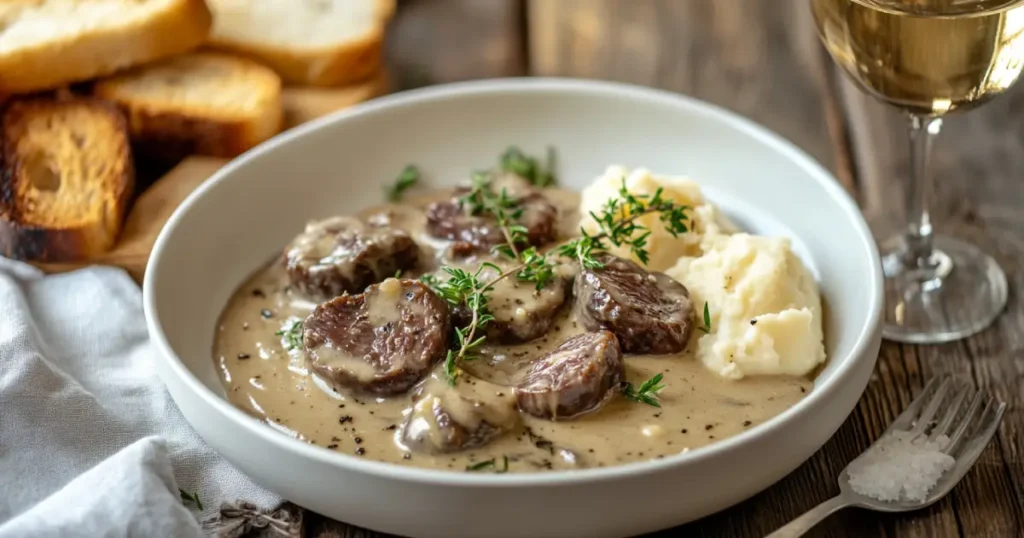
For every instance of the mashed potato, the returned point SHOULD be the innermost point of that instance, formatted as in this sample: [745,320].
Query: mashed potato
[764,306]
[665,250]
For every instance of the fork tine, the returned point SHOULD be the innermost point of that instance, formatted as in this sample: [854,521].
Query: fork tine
[933,407]
[987,425]
[907,417]
[965,422]
[947,420]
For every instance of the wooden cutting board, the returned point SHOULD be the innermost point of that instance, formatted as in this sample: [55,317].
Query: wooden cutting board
[155,205]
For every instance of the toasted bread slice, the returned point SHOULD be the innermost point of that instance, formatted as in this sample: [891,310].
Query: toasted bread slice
[45,44]
[66,178]
[308,42]
[202,102]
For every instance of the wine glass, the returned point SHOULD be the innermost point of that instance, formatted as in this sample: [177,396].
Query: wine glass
[930,58]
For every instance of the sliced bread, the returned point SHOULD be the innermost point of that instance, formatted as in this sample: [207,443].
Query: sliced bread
[203,102]
[66,178]
[308,42]
[45,44]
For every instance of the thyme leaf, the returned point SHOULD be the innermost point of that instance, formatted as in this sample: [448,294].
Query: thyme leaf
[529,168]
[490,464]
[291,334]
[707,319]
[647,393]
[409,176]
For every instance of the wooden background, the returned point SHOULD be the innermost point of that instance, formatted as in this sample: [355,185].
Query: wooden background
[761,58]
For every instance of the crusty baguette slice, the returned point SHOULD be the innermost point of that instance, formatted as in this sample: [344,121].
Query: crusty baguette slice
[308,42]
[45,44]
[203,102]
[66,178]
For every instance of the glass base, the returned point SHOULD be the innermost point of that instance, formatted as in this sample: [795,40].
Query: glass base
[959,292]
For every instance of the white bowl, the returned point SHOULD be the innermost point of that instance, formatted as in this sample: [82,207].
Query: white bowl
[239,218]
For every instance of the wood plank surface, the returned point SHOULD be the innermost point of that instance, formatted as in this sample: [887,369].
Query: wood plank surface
[761,58]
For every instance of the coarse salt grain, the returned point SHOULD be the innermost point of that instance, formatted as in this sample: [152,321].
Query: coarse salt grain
[900,467]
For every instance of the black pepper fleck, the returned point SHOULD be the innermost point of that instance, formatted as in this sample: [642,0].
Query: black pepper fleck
[390,427]
[344,419]
[243,356]
[747,423]
[657,415]
[709,426]
[358,440]
[803,389]
[341,405]
[258,293]
[753,322]
[682,430]
[335,439]
[266,313]
[332,446]
[360,451]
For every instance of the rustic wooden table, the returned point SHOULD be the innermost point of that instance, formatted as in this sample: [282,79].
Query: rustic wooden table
[761,58]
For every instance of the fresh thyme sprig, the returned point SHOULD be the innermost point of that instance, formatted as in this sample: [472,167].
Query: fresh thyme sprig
[291,335]
[193,498]
[647,393]
[410,176]
[463,288]
[617,225]
[529,168]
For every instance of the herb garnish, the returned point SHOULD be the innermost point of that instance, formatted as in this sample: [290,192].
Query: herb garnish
[491,463]
[291,335]
[529,168]
[410,176]
[707,319]
[617,225]
[193,498]
[647,393]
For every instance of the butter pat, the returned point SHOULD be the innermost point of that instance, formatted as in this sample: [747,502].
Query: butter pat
[764,306]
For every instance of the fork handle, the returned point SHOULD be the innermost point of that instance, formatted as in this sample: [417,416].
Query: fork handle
[812,517]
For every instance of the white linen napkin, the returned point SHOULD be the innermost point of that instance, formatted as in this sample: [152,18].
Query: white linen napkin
[78,394]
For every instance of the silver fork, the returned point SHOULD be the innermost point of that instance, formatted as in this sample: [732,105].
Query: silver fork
[968,434]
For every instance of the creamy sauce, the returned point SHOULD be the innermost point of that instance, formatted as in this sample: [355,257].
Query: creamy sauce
[275,386]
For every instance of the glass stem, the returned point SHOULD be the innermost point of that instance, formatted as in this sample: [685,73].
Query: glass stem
[923,130]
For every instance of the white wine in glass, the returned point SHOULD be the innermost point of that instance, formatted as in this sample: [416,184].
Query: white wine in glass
[930,58]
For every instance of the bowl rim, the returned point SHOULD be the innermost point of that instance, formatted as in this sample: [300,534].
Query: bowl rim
[389,471]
